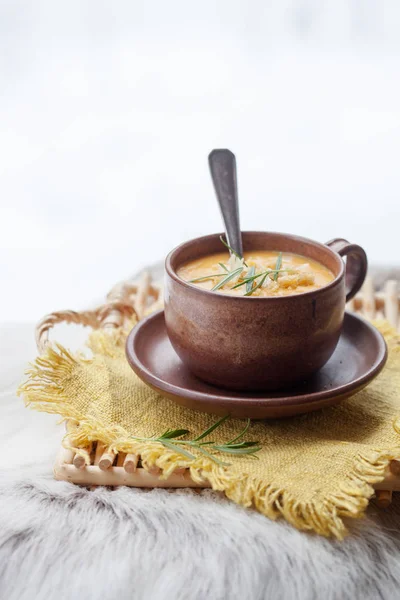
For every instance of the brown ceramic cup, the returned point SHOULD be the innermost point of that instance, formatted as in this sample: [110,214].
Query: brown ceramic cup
[258,343]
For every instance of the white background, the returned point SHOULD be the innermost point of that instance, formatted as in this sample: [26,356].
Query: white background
[109,109]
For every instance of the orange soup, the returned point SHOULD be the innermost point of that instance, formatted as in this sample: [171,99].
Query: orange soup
[261,273]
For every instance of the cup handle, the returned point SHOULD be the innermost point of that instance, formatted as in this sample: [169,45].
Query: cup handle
[356,265]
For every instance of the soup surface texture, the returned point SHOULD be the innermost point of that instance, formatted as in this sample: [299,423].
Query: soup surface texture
[261,273]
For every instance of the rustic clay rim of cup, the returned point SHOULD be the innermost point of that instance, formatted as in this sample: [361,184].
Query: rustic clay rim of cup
[290,297]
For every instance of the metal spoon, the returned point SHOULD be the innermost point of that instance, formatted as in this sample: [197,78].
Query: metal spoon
[223,173]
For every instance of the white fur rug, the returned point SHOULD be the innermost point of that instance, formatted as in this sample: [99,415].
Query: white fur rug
[61,542]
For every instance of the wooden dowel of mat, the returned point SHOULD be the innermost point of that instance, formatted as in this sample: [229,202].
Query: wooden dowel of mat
[115,476]
[391,302]
[97,455]
[154,470]
[120,462]
[142,295]
[130,463]
[154,291]
[106,460]
[383,498]
[100,448]
[390,483]
[368,298]
[67,456]
[79,460]
[394,467]
[120,459]
[380,302]
[64,469]
[388,301]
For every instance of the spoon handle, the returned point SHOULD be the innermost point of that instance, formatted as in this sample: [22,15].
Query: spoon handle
[223,172]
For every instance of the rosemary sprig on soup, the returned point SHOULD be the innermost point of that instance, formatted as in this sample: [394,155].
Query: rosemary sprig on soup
[260,273]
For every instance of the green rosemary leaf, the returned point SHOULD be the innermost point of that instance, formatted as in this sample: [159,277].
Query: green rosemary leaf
[227,278]
[169,439]
[176,448]
[224,267]
[259,284]
[243,282]
[237,451]
[241,445]
[247,279]
[231,250]
[165,434]
[249,284]
[212,457]
[211,429]
[205,277]
[173,433]
[241,434]
[278,266]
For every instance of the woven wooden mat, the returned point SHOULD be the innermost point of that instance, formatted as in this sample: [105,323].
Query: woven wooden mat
[129,298]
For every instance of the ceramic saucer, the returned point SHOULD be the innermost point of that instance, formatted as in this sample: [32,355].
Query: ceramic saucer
[360,355]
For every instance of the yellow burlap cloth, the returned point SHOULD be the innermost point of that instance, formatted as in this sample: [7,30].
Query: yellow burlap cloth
[313,469]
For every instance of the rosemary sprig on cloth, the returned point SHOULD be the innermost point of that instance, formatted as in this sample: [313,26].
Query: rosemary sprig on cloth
[172,439]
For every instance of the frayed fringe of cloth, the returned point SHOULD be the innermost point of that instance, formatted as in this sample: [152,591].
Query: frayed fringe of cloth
[44,392]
